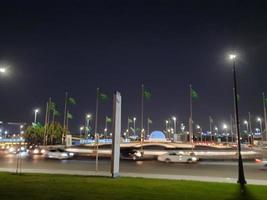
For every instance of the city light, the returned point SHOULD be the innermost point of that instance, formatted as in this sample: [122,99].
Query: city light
[232,56]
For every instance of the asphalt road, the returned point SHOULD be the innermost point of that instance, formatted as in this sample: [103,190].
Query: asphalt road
[212,169]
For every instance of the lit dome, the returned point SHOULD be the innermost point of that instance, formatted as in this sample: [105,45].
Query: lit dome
[157,135]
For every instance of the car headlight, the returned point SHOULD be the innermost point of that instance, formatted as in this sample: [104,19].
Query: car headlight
[64,154]
[194,159]
[36,151]
[138,154]
[42,151]
[71,154]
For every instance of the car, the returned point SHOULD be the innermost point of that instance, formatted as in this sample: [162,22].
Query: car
[36,150]
[180,157]
[131,154]
[58,154]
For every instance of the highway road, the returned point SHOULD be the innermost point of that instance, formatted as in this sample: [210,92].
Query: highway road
[203,168]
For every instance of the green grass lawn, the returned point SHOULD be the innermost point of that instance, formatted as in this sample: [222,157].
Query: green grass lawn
[64,187]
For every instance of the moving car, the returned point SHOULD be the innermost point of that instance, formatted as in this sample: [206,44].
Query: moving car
[58,154]
[178,157]
[131,154]
[36,150]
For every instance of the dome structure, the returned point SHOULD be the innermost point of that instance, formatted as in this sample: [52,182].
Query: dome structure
[157,136]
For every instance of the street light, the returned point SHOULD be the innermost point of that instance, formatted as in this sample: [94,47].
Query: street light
[225,127]
[81,129]
[134,119]
[2,70]
[246,123]
[241,177]
[35,114]
[200,130]
[88,117]
[174,124]
[260,121]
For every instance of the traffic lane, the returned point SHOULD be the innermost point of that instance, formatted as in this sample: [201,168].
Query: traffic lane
[214,169]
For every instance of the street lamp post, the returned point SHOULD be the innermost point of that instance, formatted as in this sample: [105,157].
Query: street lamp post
[174,127]
[216,132]
[87,118]
[35,115]
[260,121]
[134,119]
[246,123]
[81,129]
[200,130]
[241,177]
[225,128]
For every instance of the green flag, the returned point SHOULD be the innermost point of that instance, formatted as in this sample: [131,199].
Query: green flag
[52,106]
[108,120]
[71,101]
[102,97]
[194,94]
[149,121]
[69,115]
[130,120]
[147,95]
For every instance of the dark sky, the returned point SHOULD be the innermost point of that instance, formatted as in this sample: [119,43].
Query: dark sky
[77,46]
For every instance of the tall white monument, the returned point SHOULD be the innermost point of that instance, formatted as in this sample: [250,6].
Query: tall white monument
[116,134]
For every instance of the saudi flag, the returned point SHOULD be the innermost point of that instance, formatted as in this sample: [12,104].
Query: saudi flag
[71,101]
[149,121]
[108,119]
[194,94]
[130,120]
[69,115]
[147,95]
[102,97]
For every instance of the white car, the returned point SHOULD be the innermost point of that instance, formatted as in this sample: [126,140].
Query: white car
[178,157]
[58,154]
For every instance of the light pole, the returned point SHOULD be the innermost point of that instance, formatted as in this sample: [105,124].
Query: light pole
[246,123]
[216,132]
[241,177]
[174,127]
[260,121]
[225,128]
[134,119]
[200,130]
[36,111]
[81,129]
[87,118]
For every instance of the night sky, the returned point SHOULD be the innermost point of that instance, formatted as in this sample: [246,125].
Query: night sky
[76,46]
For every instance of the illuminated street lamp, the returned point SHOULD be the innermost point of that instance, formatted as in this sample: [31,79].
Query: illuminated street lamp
[88,117]
[260,121]
[36,111]
[200,130]
[134,119]
[2,70]
[241,177]
[81,129]
[225,127]
[174,124]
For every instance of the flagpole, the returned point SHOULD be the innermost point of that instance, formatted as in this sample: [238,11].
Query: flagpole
[191,139]
[231,128]
[128,127]
[265,117]
[65,116]
[148,125]
[142,113]
[210,129]
[46,113]
[250,130]
[96,112]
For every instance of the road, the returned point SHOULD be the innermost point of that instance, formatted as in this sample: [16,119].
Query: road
[211,169]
